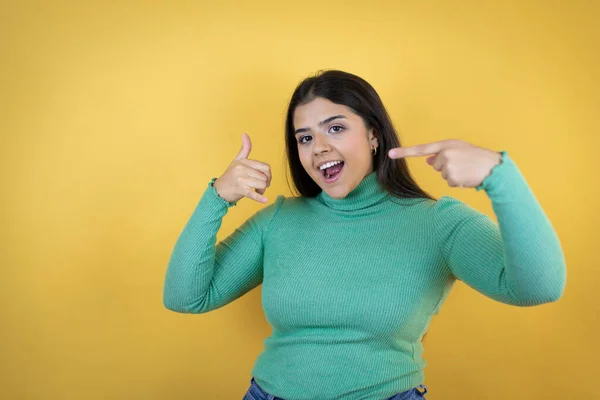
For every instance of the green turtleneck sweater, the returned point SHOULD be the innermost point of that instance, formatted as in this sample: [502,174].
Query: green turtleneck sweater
[350,285]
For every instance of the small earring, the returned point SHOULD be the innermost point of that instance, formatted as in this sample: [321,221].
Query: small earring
[374,150]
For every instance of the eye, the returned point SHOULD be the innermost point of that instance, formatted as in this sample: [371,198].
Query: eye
[335,128]
[341,128]
[302,138]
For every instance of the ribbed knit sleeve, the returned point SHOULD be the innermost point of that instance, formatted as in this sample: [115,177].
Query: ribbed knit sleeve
[202,275]
[518,261]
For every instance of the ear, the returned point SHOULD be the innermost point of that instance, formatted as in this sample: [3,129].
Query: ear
[373,140]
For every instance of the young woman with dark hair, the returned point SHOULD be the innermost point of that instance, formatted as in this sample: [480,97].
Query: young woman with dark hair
[355,265]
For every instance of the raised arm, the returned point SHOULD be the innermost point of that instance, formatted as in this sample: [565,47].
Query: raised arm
[202,275]
[518,261]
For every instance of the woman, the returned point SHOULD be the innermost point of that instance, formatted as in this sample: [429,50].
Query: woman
[354,268]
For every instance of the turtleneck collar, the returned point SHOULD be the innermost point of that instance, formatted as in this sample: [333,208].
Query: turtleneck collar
[368,192]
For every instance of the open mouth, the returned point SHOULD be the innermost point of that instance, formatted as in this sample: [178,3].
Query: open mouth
[332,173]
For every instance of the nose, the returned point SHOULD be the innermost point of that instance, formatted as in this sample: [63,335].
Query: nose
[320,143]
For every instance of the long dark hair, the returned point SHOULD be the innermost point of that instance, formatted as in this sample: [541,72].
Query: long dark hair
[352,91]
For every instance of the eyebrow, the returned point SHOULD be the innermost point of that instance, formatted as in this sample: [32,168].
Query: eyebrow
[297,131]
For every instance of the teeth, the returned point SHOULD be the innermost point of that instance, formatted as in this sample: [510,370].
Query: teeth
[329,164]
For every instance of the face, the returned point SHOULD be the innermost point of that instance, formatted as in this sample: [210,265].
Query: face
[326,131]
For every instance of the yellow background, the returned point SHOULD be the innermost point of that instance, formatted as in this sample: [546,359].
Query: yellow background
[114,117]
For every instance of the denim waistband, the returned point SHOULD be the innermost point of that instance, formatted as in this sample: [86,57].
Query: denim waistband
[257,393]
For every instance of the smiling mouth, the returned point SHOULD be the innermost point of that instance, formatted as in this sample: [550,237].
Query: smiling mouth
[331,173]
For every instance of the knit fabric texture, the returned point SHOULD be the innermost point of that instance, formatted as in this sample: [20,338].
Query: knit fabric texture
[349,286]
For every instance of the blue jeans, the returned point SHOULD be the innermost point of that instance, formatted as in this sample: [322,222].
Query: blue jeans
[255,392]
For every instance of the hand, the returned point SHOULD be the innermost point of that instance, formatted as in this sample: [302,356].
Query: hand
[243,176]
[462,164]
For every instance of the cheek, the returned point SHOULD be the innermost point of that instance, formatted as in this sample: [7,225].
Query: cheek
[305,160]
[356,149]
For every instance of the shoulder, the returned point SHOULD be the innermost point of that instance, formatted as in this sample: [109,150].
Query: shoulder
[283,210]
[450,205]
[450,213]
[264,216]
[450,210]
[445,205]
[272,209]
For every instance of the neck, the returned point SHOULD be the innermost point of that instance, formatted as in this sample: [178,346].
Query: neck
[367,193]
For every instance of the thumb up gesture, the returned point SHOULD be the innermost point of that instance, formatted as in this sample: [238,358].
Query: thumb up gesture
[244,177]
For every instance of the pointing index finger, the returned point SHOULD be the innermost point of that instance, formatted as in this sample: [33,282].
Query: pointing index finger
[418,150]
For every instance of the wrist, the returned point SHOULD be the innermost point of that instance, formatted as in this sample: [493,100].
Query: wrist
[216,184]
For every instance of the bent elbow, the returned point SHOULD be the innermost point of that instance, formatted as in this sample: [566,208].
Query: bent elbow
[184,307]
[550,288]
[550,295]
[555,291]
[173,305]
[555,295]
